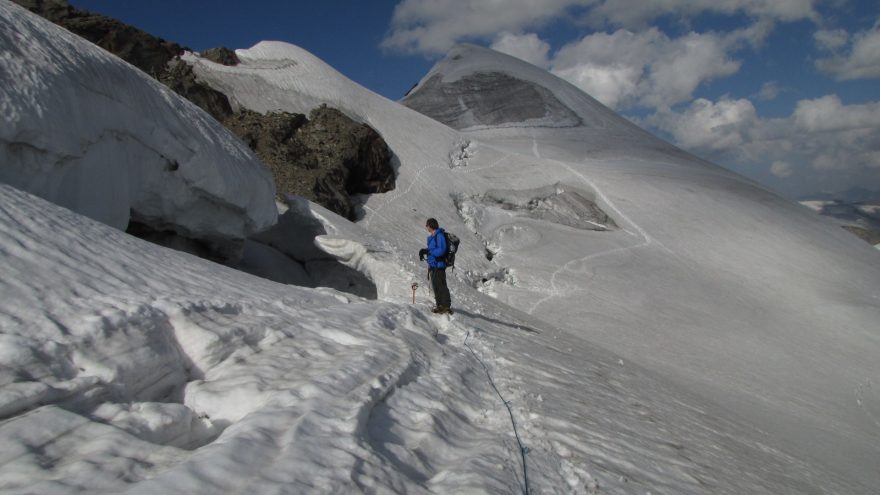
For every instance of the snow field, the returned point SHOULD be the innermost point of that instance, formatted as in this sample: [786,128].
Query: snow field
[264,364]
[292,377]
[312,390]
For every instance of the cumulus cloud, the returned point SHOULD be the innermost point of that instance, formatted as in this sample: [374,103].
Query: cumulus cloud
[769,91]
[526,47]
[860,60]
[432,27]
[781,169]
[829,114]
[648,68]
[636,13]
[708,126]
[831,39]
[824,140]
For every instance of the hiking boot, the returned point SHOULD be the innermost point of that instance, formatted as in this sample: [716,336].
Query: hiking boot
[437,309]
[447,310]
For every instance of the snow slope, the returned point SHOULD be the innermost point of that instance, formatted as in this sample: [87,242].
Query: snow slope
[712,280]
[127,367]
[90,132]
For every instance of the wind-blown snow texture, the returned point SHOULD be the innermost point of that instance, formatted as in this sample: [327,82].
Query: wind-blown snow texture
[88,131]
[743,329]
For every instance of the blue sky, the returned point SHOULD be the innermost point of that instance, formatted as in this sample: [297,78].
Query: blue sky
[783,91]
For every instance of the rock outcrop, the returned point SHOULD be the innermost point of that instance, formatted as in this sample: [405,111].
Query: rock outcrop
[326,157]
[178,76]
[220,55]
[871,236]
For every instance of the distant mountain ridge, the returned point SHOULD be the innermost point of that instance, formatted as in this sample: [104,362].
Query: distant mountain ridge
[853,195]
[861,218]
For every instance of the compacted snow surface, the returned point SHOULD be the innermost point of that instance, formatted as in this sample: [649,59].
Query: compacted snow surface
[653,323]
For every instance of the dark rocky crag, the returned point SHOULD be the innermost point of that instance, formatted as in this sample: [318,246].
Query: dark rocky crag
[179,77]
[221,55]
[327,158]
[871,236]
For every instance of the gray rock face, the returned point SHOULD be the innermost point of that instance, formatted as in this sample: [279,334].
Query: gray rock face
[179,76]
[490,99]
[871,236]
[221,55]
[326,158]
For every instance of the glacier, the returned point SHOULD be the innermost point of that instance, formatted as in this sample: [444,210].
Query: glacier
[710,338]
[88,131]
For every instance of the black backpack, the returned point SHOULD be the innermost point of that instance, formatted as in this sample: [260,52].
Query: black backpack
[452,241]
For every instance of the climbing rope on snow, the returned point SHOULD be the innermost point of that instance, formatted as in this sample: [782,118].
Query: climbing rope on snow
[523,450]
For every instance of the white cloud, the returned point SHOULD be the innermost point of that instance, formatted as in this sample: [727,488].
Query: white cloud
[769,91]
[706,126]
[831,39]
[611,85]
[826,161]
[526,47]
[636,13]
[432,27]
[781,169]
[839,143]
[649,69]
[829,114]
[609,67]
[862,60]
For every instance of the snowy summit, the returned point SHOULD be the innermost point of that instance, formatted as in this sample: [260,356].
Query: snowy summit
[628,318]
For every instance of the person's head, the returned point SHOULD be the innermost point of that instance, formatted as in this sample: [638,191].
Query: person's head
[432,225]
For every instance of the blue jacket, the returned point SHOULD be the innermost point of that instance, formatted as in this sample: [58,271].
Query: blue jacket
[437,249]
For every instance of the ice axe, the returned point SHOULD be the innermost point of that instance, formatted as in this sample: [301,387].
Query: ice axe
[414,287]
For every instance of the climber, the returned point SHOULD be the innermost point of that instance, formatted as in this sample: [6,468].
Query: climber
[436,256]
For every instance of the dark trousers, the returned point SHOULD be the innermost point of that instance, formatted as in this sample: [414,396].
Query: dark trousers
[438,283]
